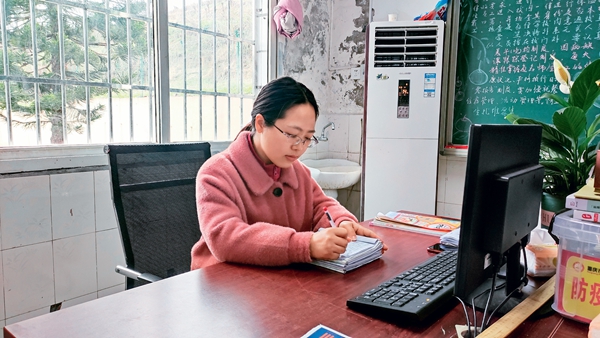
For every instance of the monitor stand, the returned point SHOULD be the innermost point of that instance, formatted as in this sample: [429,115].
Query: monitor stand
[498,297]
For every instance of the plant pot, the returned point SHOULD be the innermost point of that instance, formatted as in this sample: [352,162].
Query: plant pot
[551,204]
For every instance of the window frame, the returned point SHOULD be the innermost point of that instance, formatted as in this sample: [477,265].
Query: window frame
[160,88]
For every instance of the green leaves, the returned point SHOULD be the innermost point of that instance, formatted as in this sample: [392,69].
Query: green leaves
[568,148]
[570,121]
[556,98]
[585,90]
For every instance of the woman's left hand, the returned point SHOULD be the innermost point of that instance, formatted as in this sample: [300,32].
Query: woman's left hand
[354,229]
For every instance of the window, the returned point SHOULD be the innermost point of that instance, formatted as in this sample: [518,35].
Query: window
[83,71]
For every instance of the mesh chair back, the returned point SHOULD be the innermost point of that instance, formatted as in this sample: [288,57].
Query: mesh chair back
[154,195]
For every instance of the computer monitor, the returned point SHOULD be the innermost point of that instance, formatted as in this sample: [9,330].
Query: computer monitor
[501,205]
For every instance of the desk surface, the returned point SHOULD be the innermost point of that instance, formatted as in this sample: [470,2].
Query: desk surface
[247,301]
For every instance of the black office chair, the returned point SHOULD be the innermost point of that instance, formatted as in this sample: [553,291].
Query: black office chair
[153,187]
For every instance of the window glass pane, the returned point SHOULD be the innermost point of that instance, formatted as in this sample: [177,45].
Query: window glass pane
[235,67]
[176,12]
[208,73]
[192,11]
[118,5]
[176,70]
[51,116]
[23,113]
[140,71]
[193,118]
[98,64]
[76,113]
[99,104]
[222,65]
[247,110]
[235,22]
[46,20]
[177,127]
[96,3]
[140,7]
[192,64]
[143,124]
[235,122]
[222,16]
[222,118]
[119,50]
[121,115]
[73,43]
[4,132]
[207,15]
[248,65]
[18,32]
[208,118]
[248,19]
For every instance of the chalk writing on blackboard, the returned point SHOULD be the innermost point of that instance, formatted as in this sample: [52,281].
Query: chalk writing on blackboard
[503,61]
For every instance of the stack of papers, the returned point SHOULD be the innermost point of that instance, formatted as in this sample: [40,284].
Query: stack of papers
[450,240]
[358,253]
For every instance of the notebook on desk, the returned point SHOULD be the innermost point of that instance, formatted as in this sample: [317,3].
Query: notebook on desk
[358,253]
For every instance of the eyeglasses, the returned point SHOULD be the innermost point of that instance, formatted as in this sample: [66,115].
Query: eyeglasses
[296,140]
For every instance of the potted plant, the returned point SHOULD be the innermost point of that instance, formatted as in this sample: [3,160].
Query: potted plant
[569,144]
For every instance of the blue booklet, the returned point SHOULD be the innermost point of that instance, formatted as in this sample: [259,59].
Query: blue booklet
[322,331]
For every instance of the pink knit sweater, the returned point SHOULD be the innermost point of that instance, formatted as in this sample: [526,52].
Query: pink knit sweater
[247,217]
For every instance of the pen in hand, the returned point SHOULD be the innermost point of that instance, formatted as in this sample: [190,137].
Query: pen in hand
[329,217]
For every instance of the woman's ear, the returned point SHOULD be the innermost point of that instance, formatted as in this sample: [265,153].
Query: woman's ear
[259,123]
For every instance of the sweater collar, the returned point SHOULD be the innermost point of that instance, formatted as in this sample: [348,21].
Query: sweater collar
[252,171]
[272,170]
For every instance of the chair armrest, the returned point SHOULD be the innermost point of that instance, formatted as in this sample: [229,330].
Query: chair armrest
[129,273]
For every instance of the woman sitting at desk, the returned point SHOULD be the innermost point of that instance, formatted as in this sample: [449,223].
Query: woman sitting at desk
[257,204]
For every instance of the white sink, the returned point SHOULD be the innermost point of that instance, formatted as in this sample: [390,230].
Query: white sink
[314,173]
[335,173]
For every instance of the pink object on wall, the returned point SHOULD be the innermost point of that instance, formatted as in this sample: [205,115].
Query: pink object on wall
[288,18]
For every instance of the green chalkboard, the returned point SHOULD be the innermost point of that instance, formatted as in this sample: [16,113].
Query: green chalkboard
[503,59]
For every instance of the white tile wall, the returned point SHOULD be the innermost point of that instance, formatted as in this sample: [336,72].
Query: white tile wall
[105,211]
[455,179]
[441,187]
[79,300]
[2,313]
[59,242]
[72,204]
[111,290]
[28,278]
[25,211]
[27,315]
[75,266]
[109,255]
[338,138]
[355,134]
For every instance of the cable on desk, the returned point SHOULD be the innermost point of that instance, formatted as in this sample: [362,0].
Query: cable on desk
[523,280]
[466,315]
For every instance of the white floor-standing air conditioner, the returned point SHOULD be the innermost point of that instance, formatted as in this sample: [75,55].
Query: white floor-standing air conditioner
[402,113]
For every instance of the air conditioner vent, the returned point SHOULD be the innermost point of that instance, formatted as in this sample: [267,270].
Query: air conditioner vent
[406,46]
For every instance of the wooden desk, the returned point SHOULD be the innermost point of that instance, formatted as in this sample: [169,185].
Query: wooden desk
[228,300]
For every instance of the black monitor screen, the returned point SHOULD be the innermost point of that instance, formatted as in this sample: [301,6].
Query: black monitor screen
[501,205]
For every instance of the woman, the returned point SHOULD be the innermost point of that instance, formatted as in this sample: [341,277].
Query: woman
[257,204]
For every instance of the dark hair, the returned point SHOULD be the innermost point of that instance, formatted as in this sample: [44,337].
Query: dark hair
[276,97]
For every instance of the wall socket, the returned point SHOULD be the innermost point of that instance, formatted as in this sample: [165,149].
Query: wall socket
[355,73]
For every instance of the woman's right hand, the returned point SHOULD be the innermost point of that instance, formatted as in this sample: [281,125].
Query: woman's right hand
[328,243]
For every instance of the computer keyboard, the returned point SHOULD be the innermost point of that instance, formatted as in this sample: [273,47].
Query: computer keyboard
[414,294]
